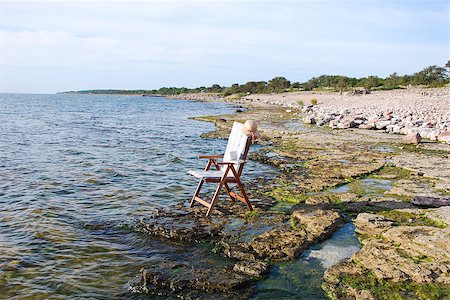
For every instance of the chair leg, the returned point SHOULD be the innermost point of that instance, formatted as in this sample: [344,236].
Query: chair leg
[214,199]
[244,194]
[227,188]
[197,191]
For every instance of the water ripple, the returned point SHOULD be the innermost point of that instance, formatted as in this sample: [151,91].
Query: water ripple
[75,172]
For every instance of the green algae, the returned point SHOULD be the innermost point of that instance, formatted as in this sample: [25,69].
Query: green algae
[403,218]
[387,290]
[287,194]
[425,151]
[392,172]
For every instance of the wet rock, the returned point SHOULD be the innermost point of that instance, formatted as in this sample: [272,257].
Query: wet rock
[397,254]
[187,282]
[179,226]
[336,289]
[427,201]
[252,268]
[317,223]
[237,250]
[412,138]
[280,245]
[310,226]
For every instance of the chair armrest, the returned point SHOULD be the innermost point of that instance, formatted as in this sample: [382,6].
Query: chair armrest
[227,162]
[210,156]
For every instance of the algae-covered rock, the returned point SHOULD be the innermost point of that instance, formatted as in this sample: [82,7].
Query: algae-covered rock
[179,226]
[280,245]
[371,224]
[417,253]
[185,281]
[398,257]
[252,268]
[317,223]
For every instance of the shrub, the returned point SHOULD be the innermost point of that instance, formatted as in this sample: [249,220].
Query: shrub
[314,101]
[300,103]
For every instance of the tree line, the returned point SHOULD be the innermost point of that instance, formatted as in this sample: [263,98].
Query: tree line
[432,76]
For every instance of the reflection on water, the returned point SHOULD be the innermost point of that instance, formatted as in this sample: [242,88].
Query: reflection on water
[75,171]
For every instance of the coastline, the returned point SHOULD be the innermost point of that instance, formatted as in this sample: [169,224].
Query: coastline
[413,111]
[368,177]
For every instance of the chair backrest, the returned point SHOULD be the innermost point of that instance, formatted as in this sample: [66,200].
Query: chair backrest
[237,147]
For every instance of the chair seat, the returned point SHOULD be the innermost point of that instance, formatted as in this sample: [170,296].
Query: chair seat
[209,174]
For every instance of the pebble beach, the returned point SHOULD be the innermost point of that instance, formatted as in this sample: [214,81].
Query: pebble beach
[412,111]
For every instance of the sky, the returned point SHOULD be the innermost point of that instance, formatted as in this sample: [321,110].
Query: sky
[53,46]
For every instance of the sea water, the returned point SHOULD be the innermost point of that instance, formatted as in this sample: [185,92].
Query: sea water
[76,171]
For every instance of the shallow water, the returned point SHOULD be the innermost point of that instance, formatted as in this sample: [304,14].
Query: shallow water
[302,279]
[76,171]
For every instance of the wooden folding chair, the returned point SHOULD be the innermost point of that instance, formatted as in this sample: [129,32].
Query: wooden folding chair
[227,171]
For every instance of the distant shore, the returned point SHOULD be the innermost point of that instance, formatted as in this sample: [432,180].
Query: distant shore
[403,111]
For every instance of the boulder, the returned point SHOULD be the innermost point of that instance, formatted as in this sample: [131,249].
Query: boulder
[381,125]
[346,123]
[309,120]
[444,137]
[412,138]
[366,126]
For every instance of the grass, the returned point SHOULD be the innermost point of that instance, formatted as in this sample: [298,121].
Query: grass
[300,103]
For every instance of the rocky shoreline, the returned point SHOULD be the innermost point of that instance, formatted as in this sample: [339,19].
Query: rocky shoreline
[396,195]
[416,112]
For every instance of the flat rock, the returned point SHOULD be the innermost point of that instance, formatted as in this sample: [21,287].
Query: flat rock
[399,254]
[252,268]
[434,202]
[417,253]
[184,226]
[371,224]
[172,279]
[308,226]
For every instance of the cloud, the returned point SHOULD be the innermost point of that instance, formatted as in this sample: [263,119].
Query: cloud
[152,44]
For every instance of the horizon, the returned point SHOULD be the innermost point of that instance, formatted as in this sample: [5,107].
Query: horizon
[50,47]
